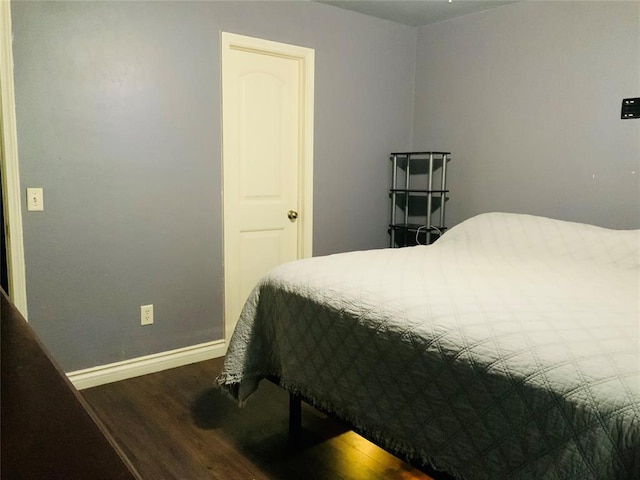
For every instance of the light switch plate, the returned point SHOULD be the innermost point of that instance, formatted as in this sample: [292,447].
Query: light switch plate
[35,200]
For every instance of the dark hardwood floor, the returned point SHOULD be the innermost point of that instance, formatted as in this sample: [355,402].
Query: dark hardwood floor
[176,425]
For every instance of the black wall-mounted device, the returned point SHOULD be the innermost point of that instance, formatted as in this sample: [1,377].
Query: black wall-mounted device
[630,108]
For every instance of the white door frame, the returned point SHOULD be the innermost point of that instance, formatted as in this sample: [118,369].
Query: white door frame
[10,170]
[305,58]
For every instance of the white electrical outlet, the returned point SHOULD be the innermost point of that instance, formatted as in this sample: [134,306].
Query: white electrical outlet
[146,314]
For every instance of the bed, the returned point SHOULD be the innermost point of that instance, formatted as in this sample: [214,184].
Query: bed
[508,349]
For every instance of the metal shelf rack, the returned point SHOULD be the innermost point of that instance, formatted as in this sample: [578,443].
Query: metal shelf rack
[418,196]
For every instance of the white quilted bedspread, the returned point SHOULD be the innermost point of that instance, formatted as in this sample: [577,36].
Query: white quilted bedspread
[509,349]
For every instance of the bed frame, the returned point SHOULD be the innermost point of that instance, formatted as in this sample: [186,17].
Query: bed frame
[295,429]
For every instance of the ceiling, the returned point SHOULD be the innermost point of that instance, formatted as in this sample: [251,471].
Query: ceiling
[416,12]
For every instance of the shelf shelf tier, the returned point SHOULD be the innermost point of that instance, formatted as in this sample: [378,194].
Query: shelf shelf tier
[411,233]
[416,190]
[414,227]
[406,158]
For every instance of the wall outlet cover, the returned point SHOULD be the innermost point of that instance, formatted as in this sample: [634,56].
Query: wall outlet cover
[146,314]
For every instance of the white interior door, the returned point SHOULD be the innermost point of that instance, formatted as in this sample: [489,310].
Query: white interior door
[267,132]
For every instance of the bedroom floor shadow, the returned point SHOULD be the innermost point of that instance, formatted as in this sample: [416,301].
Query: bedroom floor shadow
[176,425]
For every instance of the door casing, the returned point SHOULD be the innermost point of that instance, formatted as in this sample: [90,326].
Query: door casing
[10,172]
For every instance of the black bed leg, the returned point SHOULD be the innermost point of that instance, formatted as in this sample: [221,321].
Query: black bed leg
[295,414]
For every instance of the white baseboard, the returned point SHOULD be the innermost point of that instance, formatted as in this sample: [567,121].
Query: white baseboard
[135,367]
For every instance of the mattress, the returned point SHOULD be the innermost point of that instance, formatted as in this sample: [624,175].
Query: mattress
[507,349]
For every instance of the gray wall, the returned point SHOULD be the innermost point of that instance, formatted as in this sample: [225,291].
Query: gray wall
[527,98]
[118,112]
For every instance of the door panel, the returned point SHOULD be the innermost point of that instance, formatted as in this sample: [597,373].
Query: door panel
[264,163]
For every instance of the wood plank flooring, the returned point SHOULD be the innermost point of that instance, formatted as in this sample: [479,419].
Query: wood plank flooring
[176,425]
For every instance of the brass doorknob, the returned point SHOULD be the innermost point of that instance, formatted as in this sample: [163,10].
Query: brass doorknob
[292,214]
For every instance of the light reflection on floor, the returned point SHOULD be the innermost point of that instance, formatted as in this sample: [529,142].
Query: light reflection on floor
[366,456]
